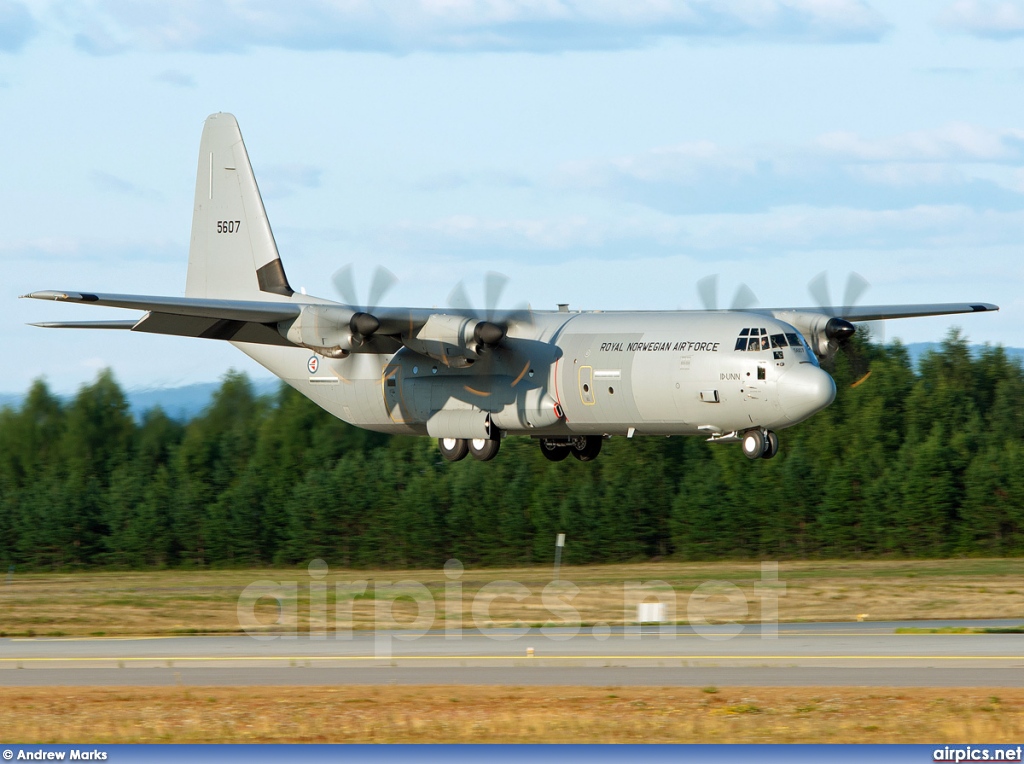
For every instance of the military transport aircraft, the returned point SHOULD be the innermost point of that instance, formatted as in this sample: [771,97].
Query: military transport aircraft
[470,377]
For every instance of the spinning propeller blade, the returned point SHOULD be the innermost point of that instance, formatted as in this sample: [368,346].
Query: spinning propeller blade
[707,290]
[363,323]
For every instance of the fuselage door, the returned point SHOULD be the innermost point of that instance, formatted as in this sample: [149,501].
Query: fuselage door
[587,385]
[391,383]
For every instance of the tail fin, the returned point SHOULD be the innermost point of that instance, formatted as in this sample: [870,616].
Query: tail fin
[232,254]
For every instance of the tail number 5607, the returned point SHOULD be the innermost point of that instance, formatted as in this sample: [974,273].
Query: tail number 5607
[229,226]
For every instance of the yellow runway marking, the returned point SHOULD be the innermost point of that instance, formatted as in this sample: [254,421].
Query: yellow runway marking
[91,639]
[178,659]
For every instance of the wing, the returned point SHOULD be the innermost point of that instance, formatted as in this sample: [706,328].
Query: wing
[882,312]
[290,322]
[826,328]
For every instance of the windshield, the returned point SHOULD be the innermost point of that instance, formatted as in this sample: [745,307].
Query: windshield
[757,339]
[795,338]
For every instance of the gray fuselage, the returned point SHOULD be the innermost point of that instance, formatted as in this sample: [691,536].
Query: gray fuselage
[586,373]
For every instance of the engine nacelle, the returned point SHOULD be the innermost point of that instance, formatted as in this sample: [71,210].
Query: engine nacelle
[823,333]
[454,340]
[325,329]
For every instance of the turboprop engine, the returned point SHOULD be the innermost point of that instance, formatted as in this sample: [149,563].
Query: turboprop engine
[330,330]
[456,341]
[823,333]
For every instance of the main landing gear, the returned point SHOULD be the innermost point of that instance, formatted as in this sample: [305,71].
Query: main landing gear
[760,444]
[482,449]
[585,447]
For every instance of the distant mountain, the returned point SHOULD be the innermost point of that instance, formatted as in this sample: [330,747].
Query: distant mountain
[10,399]
[918,349]
[180,403]
[185,402]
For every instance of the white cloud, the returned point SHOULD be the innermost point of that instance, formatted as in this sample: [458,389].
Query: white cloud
[176,78]
[53,251]
[450,181]
[737,235]
[959,165]
[405,26]
[955,142]
[473,232]
[17,25]
[992,19]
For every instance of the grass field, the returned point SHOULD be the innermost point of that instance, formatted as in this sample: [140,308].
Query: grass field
[390,714]
[185,602]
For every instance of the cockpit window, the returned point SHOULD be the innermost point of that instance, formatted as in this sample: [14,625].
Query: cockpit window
[804,352]
[754,338]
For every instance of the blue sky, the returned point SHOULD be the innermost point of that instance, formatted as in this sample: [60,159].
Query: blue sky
[608,155]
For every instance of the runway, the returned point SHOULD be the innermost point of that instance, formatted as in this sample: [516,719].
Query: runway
[808,654]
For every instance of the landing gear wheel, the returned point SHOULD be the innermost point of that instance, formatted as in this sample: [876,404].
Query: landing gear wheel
[591,448]
[771,445]
[753,444]
[553,452]
[453,449]
[483,449]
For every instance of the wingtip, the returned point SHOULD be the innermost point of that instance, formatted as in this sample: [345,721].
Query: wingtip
[52,294]
[46,294]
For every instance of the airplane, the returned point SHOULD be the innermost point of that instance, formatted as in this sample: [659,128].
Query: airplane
[469,378]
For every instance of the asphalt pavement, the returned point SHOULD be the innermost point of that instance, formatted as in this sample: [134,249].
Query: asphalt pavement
[801,654]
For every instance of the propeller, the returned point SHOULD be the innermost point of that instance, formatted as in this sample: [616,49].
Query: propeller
[707,289]
[838,330]
[876,331]
[363,323]
[492,324]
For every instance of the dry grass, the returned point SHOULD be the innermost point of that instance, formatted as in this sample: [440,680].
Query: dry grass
[177,602]
[391,714]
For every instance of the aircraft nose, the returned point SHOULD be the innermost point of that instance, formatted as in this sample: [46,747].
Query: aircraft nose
[804,390]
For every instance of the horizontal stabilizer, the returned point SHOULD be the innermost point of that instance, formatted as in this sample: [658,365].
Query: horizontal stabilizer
[210,329]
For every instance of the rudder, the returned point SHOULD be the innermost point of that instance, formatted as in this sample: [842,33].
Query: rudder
[232,254]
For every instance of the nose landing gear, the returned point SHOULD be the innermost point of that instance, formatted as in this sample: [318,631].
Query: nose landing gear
[552,451]
[587,449]
[584,447]
[760,444]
